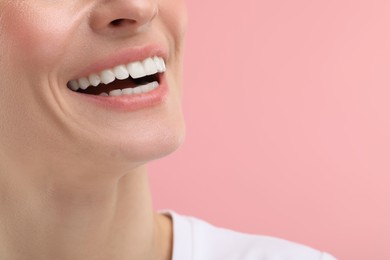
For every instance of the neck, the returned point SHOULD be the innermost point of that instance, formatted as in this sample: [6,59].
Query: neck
[52,219]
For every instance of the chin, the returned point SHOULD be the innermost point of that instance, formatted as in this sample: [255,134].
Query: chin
[142,141]
[163,143]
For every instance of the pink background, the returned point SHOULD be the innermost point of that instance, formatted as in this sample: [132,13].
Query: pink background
[287,107]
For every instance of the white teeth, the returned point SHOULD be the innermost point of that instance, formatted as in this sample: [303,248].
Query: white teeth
[137,90]
[160,64]
[84,83]
[121,72]
[150,66]
[74,85]
[94,79]
[115,92]
[145,88]
[107,76]
[154,84]
[149,87]
[127,91]
[164,68]
[130,91]
[136,70]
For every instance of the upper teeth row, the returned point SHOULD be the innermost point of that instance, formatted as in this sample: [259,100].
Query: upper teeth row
[137,69]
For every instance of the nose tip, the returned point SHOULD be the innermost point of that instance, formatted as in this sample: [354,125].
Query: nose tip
[122,15]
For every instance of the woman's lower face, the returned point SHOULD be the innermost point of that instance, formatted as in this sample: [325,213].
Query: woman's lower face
[92,81]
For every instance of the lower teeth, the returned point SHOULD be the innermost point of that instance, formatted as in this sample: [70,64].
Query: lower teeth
[131,91]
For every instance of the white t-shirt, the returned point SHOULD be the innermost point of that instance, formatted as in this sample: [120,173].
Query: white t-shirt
[195,239]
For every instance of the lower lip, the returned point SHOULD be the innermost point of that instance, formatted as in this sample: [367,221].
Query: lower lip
[127,103]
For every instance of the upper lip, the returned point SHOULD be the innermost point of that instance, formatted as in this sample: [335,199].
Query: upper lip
[124,56]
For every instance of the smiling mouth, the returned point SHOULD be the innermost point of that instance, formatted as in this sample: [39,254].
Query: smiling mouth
[128,79]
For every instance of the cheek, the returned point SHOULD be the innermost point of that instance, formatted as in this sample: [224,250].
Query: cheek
[35,35]
[174,15]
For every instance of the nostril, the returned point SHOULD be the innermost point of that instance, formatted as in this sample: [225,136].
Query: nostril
[116,22]
[120,22]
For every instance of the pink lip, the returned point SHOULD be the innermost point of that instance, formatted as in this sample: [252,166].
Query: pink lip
[128,103]
[124,56]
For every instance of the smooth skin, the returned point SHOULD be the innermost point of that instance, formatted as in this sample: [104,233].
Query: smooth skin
[73,178]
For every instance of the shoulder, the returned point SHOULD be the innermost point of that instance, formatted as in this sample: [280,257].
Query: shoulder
[210,242]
